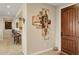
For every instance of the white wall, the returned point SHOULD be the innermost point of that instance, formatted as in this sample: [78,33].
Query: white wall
[7,33]
[1,28]
[35,41]
[3,32]
[58,28]
[24,38]
[14,24]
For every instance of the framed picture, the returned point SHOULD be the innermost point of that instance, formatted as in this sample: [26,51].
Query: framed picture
[8,25]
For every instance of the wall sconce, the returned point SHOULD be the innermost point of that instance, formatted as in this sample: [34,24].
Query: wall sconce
[41,21]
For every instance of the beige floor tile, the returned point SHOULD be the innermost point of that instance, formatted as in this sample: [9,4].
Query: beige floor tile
[7,47]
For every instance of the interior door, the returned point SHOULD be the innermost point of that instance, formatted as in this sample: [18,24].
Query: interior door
[68,30]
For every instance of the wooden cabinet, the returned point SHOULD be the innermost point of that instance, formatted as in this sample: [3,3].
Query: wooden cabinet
[70,29]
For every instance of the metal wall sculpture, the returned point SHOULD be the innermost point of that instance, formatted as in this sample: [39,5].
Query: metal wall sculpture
[41,21]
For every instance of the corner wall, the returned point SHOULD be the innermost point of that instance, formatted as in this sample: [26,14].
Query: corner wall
[22,12]
[24,31]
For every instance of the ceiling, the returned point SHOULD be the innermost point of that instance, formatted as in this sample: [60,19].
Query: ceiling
[9,9]
[59,4]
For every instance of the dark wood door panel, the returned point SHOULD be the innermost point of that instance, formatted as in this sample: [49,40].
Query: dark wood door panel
[68,22]
[77,22]
[69,29]
[69,45]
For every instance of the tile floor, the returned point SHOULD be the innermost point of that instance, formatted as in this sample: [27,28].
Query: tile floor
[51,52]
[7,47]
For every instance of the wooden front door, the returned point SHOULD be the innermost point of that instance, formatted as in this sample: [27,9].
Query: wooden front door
[68,30]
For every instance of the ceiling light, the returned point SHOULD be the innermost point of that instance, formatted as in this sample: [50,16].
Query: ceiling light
[8,6]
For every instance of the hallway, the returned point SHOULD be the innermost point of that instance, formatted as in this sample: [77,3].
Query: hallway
[12,29]
[8,48]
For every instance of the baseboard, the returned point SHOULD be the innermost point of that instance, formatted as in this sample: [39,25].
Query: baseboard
[39,52]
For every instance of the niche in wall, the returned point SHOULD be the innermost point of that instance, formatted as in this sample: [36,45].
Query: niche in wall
[16,24]
[20,23]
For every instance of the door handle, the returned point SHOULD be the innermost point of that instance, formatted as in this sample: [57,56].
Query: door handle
[61,33]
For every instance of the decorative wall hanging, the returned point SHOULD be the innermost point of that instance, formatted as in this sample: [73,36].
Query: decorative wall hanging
[41,21]
[8,25]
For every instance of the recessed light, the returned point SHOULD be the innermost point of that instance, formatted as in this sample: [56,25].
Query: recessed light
[8,6]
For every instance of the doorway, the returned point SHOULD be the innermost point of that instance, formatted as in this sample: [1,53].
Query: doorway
[70,29]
